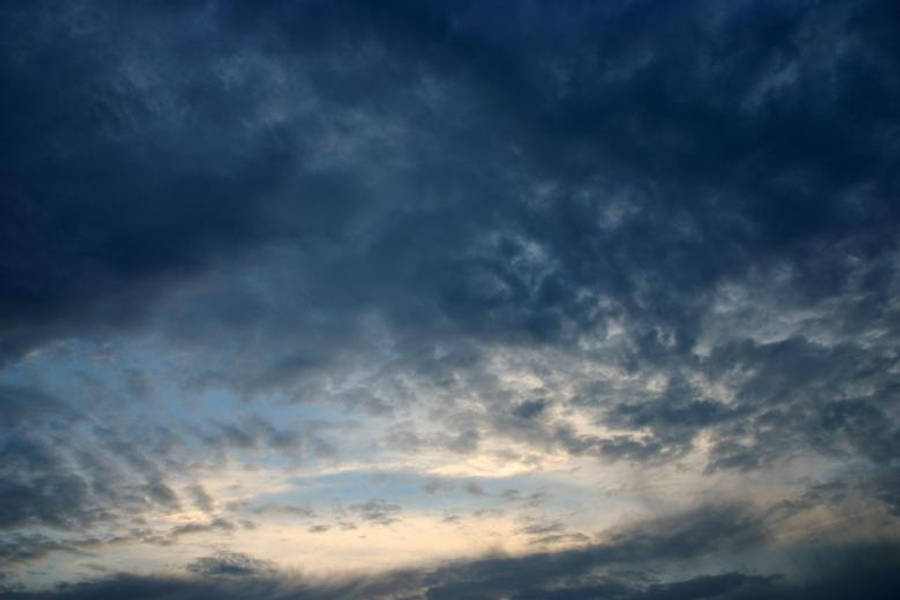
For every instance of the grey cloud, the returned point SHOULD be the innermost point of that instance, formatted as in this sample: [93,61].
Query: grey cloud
[542,528]
[38,489]
[216,525]
[536,498]
[162,494]
[804,394]
[21,406]
[19,547]
[83,480]
[278,509]
[887,486]
[875,582]
[529,409]
[461,437]
[560,538]
[254,433]
[510,494]
[433,487]
[488,512]
[230,564]
[376,511]
[201,499]
[474,489]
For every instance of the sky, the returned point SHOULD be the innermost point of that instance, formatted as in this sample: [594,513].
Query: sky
[420,299]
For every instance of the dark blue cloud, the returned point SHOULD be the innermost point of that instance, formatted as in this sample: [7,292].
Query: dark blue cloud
[140,177]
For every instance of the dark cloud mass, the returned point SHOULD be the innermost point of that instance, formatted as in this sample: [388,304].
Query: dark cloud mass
[426,299]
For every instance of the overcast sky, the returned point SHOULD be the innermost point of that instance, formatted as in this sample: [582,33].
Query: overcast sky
[449,299]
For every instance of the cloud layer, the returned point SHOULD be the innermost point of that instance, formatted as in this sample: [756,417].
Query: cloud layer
[431,299]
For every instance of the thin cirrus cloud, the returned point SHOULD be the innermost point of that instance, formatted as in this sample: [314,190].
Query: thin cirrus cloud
[444,300]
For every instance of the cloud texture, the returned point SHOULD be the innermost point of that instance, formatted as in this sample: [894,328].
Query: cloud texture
[449,299]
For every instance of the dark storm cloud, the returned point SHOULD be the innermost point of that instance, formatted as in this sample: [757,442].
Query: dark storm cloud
[729,157]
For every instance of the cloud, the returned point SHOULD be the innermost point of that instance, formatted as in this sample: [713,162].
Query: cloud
[517,278]
[23,548]
[37,491]
[376,511]
[201,499]
[474,489]
[220,525]
[229,564]
[529,409]
[841,572]
[250,255]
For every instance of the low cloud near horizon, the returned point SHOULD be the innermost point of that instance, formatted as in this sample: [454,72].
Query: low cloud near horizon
[424,299]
